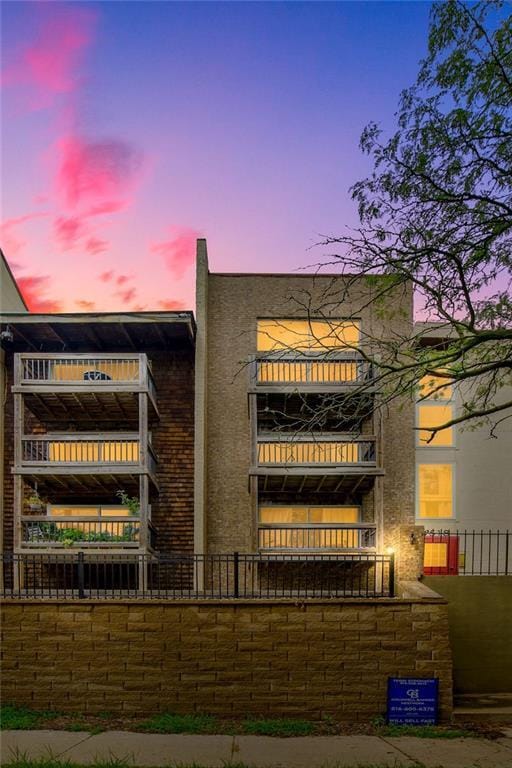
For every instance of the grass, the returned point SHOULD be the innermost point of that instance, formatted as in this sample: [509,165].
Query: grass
[23,719]
[278,727]
[168,723]
[423,731]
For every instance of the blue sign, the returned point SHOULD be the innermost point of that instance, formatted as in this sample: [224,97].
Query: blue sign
[412,701]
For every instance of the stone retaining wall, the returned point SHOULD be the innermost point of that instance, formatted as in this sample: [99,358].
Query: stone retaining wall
[271,658]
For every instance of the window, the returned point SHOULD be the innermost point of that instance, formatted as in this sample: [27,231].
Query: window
[435,490]
[301,527]
[431,416]
[303,335]
[435,388]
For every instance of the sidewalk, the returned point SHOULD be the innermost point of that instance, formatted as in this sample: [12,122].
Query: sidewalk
[261,751]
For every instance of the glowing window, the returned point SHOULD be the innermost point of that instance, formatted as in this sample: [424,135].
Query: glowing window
[436,555]
[432,416]
[435,387]
[304,335]
[310,534]
[435,489]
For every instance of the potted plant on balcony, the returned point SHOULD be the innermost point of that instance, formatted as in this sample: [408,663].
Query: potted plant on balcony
[131,502]
[34,502]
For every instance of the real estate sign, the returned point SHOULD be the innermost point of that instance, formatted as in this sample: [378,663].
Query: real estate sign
[412,701]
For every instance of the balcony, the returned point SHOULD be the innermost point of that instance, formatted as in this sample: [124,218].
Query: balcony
[83,459]
[319,538]
[84,387]
[326,462]
[309,372]
[41,531]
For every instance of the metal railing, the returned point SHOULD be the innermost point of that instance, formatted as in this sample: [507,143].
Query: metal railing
[84,371]
[73,530]
[316,450]
[80,448]
[311,369]
[468,552]
[198,577]
[272,536]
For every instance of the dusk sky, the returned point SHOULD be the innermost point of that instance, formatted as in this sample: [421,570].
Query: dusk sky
[131,128]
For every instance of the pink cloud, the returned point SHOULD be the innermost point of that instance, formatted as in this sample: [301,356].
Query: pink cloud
[128,295]
[105,277]
[48,65]
[95,245]
[111,206]
[85,305]
[171,304]
[33,288]
[98,174]
[179,251]
[69,231]
[11,239]
[122,279]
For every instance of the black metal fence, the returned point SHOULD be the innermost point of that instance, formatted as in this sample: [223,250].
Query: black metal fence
[468,553]
[198,577]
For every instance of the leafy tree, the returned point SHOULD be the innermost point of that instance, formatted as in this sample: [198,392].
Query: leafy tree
[436,212]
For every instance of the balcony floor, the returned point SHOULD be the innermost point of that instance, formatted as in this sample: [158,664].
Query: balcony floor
[87,482]
[344,480]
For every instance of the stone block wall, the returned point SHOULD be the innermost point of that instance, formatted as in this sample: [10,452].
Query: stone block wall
[232,659]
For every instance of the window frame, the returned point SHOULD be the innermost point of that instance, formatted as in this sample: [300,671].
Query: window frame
[437,462]
[308,524]
[429,404]
[356,322]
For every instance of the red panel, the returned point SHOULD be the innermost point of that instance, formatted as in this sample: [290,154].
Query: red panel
[451,565]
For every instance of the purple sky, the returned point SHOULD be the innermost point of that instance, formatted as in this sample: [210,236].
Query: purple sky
[129,129]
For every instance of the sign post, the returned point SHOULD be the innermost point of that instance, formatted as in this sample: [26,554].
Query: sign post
[412,701]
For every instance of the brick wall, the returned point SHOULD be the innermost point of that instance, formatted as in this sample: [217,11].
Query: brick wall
[173,440]
[275,659]
[172,511]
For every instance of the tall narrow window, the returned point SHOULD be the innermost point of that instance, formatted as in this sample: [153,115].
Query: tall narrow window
[431,416]
[435,483]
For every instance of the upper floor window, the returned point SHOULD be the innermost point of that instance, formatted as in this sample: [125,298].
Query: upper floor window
[435,409]
[304,335]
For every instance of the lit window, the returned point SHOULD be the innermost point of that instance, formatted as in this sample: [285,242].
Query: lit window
[436,555]
[435,483]
[305,528]
[302,335]
[435,387]
[432,416]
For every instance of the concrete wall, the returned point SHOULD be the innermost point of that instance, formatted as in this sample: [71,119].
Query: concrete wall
[270,658]
[234,303]
[480,617]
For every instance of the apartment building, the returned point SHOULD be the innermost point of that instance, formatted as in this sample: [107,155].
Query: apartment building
[99,437]
[463,489]
[281,466]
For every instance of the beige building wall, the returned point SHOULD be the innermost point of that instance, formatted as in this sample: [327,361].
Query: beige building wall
[232,305]
[482,477]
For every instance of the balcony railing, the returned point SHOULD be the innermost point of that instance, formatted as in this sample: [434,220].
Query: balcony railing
[321,451]
[324,537]
[79,449]
[86,531]
[310,370]
[82,372]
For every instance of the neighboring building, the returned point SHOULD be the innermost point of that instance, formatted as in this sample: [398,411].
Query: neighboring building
[11,300]
[267,483]
[99,434]
[462,482]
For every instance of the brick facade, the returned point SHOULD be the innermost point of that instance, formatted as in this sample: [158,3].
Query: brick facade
[270,658]
[234,303]
[173,441]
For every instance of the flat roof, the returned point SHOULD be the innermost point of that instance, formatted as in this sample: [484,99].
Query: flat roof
[97,331]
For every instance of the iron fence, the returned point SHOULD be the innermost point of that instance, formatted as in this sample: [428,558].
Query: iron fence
[468,552]
[82,575]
